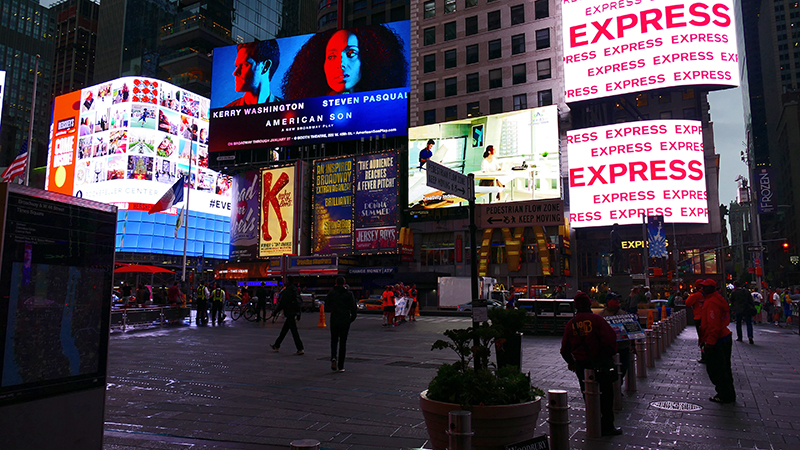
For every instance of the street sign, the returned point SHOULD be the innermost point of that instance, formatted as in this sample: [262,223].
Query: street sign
[757,261]
[520,214]
[450,181]
[756,248]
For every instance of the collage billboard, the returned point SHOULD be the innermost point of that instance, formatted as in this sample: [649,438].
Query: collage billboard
[313,88]
[277,192]
[615,48]
[127,141]
[514,157]
[619,173]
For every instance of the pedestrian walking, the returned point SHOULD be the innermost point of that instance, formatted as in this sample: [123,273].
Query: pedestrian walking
[589,342]
[717,342]
[261,302]
[217,305]
[623,347]
[695,301]
[743,308]
[342,306]
[757,302]
[291,311]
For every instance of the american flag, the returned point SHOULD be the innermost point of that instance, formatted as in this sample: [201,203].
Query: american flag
[17,168]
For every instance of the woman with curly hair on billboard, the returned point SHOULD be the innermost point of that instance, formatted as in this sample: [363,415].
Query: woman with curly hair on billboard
[346,61]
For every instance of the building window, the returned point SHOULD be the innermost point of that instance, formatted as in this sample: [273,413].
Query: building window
[542,38]
[688,94]
[520,102]
[494,49]
[665,98]
[545,97]
[430,9]
[430,90]
[473,109]
[449,6]
[473,82]
[495,78]
[543,69]
[518,74]
[641,100]
[429,63]
[450,87]
[430,116]
[470,3]
[378,18]
[494,20]
[430,36]
[449,31]
[542,8]
[450,59]
[471,25]
[398,14]
[517,14]
[472,54]
[689,113]
[666,114]
[451,112]
[496,105]
[518,44]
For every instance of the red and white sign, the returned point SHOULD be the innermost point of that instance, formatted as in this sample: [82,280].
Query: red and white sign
[617,173]
[382,238]
[623,46]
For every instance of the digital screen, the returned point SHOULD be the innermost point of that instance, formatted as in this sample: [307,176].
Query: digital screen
[523,164]
[619,173]
[376,212]
[278,202]
[313,88]
[245,216]
[615,48]
[333,206]
[125,143]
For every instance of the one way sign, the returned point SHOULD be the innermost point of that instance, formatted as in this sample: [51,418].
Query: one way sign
[450,181]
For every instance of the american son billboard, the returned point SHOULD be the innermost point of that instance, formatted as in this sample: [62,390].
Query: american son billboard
[330,86]
[615,48]
[619,173]
[333,206]
[376,213]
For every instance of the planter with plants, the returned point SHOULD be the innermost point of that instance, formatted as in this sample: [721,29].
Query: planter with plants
[504,404]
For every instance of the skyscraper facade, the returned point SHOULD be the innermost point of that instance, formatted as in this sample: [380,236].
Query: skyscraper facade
[76,41]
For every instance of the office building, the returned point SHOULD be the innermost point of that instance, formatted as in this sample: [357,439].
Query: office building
[76,41]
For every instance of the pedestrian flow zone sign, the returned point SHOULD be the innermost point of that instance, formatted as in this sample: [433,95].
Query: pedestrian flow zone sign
[521,214]
[450,181]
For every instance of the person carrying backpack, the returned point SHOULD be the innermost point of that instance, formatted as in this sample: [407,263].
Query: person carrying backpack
[289,304]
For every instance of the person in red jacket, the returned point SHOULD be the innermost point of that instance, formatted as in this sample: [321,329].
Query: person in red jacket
[588,341]
[695,301]
[717,342]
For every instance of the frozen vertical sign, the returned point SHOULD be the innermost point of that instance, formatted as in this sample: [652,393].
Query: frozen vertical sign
[763,186]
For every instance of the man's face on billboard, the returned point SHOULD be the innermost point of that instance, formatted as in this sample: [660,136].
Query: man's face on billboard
[248,72]
[342,62]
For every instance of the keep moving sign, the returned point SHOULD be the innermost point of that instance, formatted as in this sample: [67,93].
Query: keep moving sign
[618,47]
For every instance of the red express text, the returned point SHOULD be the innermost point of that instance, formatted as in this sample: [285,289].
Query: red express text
[658,170]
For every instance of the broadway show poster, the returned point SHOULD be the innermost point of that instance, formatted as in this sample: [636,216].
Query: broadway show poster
[376,213]
[333,206]
[656,237]
[313,88]
[245,216]
[277,191]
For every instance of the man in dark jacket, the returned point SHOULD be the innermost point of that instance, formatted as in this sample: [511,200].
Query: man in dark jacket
[261,302]
[342,306]
[291,310]
[588,342]
[742,307]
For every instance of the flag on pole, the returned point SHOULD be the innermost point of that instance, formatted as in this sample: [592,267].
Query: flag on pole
[171,197]
[17,168]
[179,222]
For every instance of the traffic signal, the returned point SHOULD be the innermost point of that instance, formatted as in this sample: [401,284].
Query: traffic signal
[785,247]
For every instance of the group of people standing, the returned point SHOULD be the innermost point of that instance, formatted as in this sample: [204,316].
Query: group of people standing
[399,302]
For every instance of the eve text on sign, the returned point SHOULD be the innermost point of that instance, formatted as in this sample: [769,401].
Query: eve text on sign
[521,214]
[448,180]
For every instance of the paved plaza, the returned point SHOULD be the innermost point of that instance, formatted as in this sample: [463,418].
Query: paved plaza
[183,387]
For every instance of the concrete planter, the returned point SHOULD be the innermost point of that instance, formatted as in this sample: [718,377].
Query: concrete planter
[494,426]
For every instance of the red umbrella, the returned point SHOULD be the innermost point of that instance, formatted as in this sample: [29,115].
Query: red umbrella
[139,268]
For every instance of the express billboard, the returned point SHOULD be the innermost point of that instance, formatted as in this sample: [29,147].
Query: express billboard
[620,172]
[614,48]
[523,163]
[278,200]
[313,88]
[125,142]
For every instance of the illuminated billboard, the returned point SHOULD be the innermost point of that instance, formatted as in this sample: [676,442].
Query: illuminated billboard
[618,173]
[278,208]
[333,206]
[522,164]
[125,142]
[313,88]
[614,48]
[2,93]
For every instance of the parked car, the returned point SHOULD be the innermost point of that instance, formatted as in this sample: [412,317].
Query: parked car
[489,304]
[373,303]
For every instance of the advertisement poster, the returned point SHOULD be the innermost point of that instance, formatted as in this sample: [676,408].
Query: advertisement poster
[764,190]
[376,202]
[333,206]
[615,48]
[277,192]
[312,88]
[619,173]
[2,94]
[245,216]
[656,237]
[522,164]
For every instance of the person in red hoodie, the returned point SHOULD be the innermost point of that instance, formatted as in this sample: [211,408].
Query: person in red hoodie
[695,301]
[717,342]
[589,340]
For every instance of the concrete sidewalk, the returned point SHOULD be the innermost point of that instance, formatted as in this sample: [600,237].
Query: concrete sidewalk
[222,387]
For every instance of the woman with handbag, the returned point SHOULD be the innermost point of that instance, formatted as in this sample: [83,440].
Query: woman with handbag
[589,342]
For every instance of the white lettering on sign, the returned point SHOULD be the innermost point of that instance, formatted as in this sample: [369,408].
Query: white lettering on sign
[626,46]
[65,147]
[631,169]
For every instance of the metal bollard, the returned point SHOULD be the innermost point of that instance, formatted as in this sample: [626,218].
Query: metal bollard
[663,338]
[656,341]
[558,419]
[651,348]
[592,397]
[304,444]
[630,377]
[641,358]
[460,431]
[618,385]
